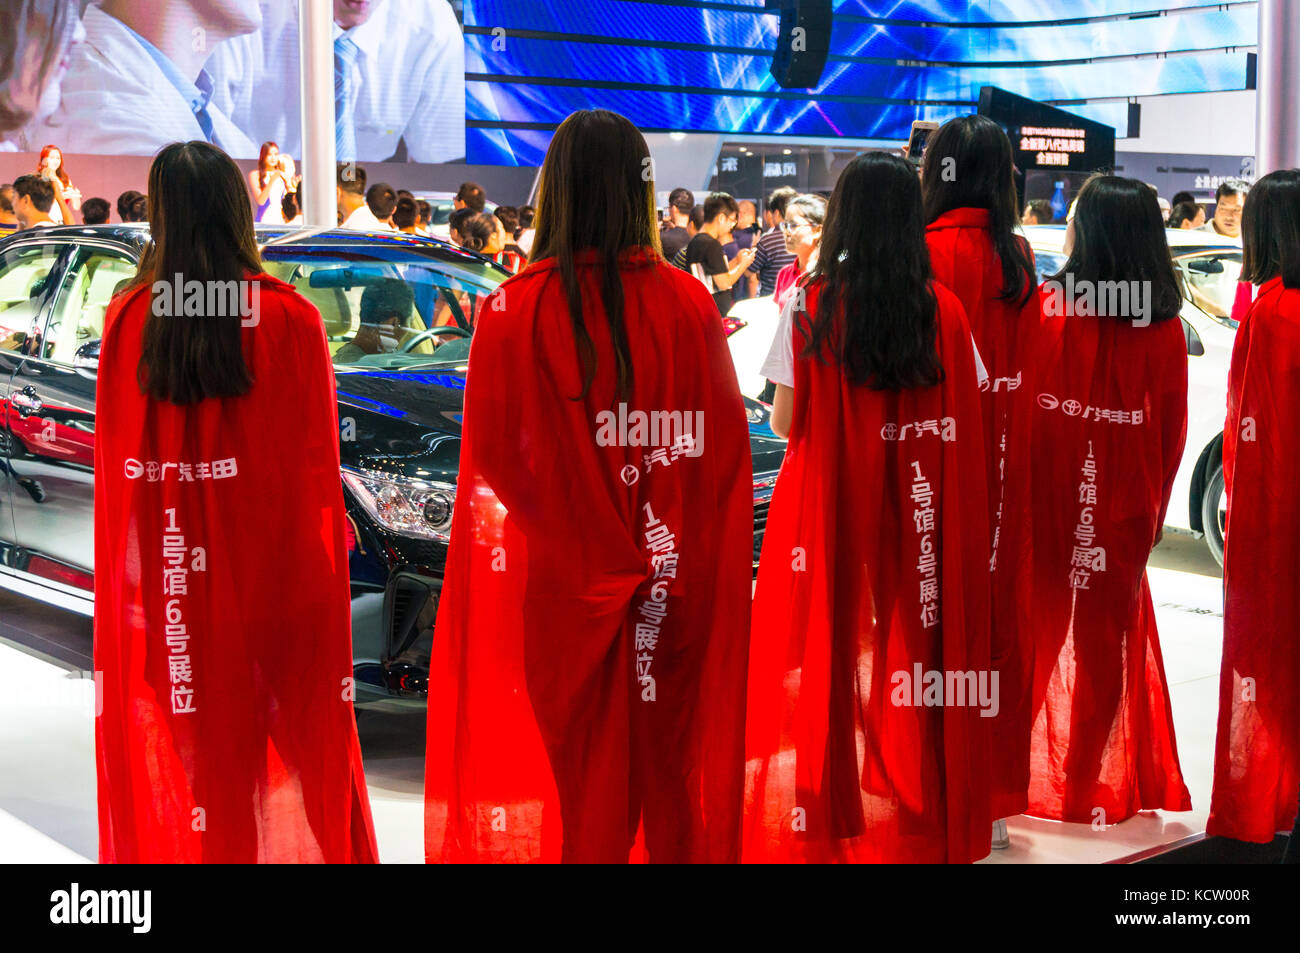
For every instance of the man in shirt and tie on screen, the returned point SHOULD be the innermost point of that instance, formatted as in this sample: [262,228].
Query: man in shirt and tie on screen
[137,83]
[399,80]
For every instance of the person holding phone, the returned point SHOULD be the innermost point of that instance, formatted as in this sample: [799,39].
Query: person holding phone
[270,182]
[67,197]
[703,255]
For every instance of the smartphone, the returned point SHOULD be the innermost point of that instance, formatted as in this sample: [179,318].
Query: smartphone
[922,130]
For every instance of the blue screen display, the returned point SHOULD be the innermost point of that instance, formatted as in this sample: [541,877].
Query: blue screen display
[704,66]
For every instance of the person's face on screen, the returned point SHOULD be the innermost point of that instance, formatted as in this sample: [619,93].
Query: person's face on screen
[32,90]
[235,17]
[353,13]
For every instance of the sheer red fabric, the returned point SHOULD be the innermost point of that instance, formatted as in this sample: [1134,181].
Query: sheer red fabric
[1257,755]
[1110,421]
[965,260]
[222,611]
[873,583]
[586,692]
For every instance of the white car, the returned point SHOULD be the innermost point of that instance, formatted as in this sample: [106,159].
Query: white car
[750,327]
[1210,265]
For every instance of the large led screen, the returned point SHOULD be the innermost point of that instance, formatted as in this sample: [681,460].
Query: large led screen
[126,77]
[488,80]
[703,66]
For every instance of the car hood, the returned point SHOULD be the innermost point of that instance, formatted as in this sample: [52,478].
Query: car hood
[402,422]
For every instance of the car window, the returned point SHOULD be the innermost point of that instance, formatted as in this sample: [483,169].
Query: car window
[387,314]
[1047,264]
[96,274]
[1211,280]
[24,274]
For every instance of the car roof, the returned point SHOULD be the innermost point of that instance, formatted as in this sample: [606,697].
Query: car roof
[136,234]
[1181,240]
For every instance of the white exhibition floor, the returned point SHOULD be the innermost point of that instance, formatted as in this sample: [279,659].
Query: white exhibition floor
[47,758]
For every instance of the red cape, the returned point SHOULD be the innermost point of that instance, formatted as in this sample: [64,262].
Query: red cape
[1257,756]
[586,689]
[227,733]
[1110,421]
[1006,333]
[874,573]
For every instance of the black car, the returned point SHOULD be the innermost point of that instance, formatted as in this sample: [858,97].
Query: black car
[399,420]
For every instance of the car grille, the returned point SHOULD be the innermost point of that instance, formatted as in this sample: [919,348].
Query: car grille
[760,526]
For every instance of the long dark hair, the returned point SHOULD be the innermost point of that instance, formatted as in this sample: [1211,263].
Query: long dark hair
[1119,237]
[201,225]
[876,311]
[1270,230]
[596,192]
[968,165]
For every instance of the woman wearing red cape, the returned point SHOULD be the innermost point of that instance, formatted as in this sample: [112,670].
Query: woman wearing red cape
[971,207]
[222,610]
[1110,421]
[1257,756]
[869,658]
[586,691]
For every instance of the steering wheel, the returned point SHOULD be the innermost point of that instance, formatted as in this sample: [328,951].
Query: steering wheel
[429,334]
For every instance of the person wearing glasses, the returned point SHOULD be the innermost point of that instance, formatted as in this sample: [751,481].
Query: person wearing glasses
[802,231]
[703,255]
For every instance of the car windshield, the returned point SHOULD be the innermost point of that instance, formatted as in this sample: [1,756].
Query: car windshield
[388,310]
[1047,264]
[1211,278]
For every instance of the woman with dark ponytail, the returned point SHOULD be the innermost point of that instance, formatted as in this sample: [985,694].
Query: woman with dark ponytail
[587,685]
[873,581]
[971,210]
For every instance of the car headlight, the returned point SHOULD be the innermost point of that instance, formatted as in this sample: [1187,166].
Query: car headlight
[409,507]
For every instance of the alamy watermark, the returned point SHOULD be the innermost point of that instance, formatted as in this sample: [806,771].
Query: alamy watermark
[179,298]
[920,688]
[681,430]
[1130,300]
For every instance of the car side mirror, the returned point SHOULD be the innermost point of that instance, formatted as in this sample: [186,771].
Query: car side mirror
[1205,266]
[1195,347]
[86,360]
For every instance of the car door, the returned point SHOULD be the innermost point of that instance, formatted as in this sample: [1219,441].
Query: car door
[29,272]
[53,390]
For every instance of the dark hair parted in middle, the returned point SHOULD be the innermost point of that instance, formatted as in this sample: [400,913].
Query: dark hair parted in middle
[1119,237]
[968,165]
[1270,230]
[596,193]
[201,229]
[876,310]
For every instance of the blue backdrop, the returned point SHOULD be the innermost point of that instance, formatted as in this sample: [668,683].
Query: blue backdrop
[702,65]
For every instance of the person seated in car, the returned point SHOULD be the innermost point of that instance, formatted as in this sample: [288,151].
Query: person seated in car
[386,308]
